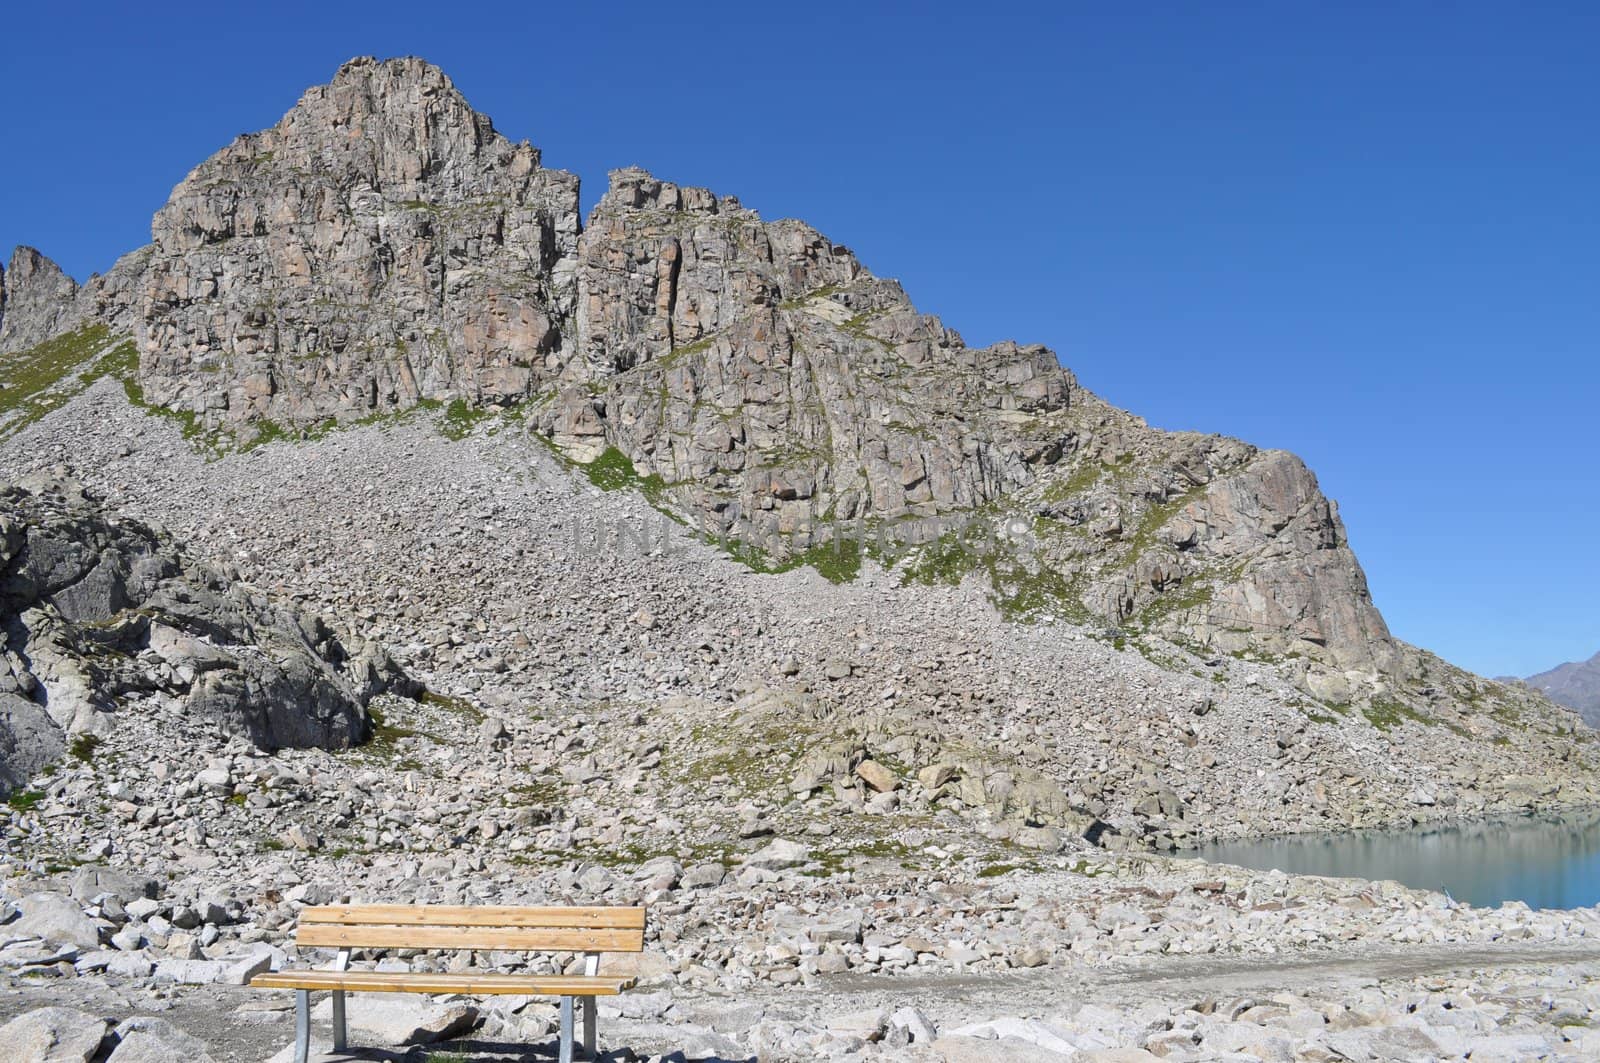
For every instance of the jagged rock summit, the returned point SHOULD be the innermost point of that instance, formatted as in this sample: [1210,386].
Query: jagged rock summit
[383,247]
[96,612]
[380,245]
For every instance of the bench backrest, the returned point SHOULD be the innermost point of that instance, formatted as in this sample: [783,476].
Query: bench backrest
[441,926]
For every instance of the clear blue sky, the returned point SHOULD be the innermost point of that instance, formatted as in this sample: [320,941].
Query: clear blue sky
[1365,232]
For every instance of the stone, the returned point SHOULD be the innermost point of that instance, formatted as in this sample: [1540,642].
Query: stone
[52,1035]
[300,838]
[962,1049]
[702,876]
[836,927]
[147,1039]
[392,1020]
[877,776]
[1031,1031]
[1384,1042]
[917,1025]
[778,855]
[709,1045]
[91,882]
[56,918]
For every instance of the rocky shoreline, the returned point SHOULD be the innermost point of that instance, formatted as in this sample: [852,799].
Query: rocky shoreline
[156,877]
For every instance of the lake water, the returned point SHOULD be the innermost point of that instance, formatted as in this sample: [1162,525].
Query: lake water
[1548,861]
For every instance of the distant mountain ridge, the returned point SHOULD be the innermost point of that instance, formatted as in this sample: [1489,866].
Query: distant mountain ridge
[1576,685]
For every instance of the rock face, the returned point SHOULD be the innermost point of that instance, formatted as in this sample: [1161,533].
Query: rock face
[1576,685]
[775,386]
[94,609]
[380,245]
[38,301]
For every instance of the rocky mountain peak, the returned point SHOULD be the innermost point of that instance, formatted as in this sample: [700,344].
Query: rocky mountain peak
[35,298]
[1575,684]
[381,245]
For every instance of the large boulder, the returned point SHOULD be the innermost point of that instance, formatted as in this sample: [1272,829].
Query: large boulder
[95,609]
[52,1035]
[56,918]
[147,1039]
[393,1021]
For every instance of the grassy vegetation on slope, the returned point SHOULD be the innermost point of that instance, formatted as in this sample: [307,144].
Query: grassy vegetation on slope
[38,380]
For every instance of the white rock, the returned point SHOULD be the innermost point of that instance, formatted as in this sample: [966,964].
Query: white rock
[400,1020]
[778,855]
[52,1035]
[56,917]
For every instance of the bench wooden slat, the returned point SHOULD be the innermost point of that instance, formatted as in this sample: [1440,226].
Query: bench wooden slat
[474,915]
[469,937]
[423,982]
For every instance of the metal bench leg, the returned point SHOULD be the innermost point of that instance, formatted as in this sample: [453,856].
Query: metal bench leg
[588,1028]
[565,1054]
[302,1025]
[341,1035]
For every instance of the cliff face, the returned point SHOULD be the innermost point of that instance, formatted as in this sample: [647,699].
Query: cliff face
[775,386]
[382,246]
[36,300]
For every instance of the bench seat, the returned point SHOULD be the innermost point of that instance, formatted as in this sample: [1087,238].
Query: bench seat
[550,985]
[590,931]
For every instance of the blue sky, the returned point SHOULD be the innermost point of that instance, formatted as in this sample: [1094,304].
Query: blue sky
[1365,232]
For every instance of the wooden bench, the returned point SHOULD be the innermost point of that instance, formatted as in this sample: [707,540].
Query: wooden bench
[591,931]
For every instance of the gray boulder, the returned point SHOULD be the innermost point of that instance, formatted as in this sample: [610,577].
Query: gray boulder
[146,1039]
[56,918]
[52,1035]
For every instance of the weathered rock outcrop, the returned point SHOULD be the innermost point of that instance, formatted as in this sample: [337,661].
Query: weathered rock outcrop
[36,300]
[380,245]
[39,302]
[775,386]
[95,610]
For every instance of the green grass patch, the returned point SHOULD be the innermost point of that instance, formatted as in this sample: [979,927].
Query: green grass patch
[24,800]
[1388,713]
[801,300]
[613,471]
[451,1056]
[1085,476]
[460,706]
[1020,590]
[460,419]
[83,747]
[838,561]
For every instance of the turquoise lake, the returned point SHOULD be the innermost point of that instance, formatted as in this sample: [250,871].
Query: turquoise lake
[1547,861]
